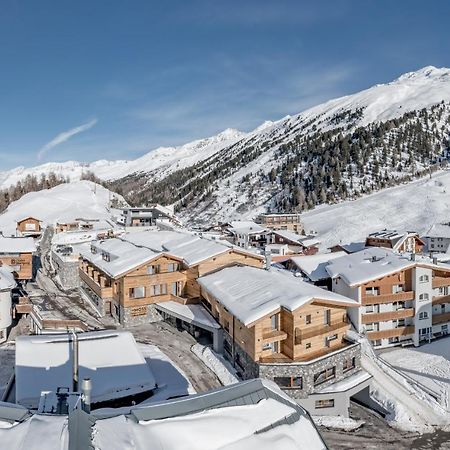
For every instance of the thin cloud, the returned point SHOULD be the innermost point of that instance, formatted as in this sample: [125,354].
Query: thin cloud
[63,137]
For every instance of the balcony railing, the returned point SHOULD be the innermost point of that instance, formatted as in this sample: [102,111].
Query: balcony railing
[308,333]
[393,332]
[387,298]
[441,299]
[388,315]
[440,281]
[270,335]
[440,318]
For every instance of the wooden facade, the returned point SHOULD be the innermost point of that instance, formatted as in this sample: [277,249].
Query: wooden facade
[312,330]
[21,263]
[29,226]
[160,279]
[289,222]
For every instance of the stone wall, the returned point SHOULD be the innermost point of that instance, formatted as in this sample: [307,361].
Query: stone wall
[248,369]
[137,315]
[67,271]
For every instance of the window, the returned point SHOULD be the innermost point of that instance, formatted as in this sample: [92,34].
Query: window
[399,305]
[396,288]
[308,319]
[373,326]
[106,256]
[327,403]
[93,250]
[227,347]
[328,339]
[274,321]
[424,278]
[289,382]
[424,296]
[376,343]
[349,363]
[172,267]
[325,375]
[372,308]
[423,315]
[398,323]
[137,292]
[327,317]
[151,270]
[394,340]
[159,289]
[308,345]
[372,291]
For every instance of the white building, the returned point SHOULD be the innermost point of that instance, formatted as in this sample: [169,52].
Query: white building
[7,283]
[438,238]
[403,298]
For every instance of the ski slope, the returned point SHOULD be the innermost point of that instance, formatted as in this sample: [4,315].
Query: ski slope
[416,206]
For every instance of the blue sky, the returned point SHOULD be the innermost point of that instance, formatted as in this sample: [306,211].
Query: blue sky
[109,79]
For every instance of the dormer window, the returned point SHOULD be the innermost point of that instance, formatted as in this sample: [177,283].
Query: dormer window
[106,256]
[93,249]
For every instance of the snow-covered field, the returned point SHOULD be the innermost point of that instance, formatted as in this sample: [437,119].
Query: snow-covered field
[66,202]
[415,206]
[428,364]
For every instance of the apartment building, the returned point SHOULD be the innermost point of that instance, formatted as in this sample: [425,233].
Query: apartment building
[17,252]
[403,298]
[247,234]
[281,328]
[29,226]
[131,277]
[292,242]
[408,241]
[438,238]
[276,221]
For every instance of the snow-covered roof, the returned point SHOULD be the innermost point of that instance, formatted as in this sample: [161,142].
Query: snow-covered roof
[153,239]
[246,227]
[121,256]
[439,230]
[7,280]
[353,247]
[368,264]
[26,218]
[306,241]
[17,244]
[250,293]
[314,266]
[192,313]
[110,358]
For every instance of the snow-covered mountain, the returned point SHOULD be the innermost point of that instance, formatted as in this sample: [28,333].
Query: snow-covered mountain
[340,149]
[163,159]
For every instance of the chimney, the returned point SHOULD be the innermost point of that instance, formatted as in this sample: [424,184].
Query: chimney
[74,361]
[413,256]
[86,390]
[435,260]
[268,256]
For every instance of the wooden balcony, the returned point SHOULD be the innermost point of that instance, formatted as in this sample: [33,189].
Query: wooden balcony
[388,315]
[310,332]
[440,281]
[440,318]
[101,291]
[270,335]
[393,332]
[441,299]
[387,298]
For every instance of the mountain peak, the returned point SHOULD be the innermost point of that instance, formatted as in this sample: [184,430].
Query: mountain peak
[425,73]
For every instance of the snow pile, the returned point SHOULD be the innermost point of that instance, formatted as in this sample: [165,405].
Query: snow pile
[63,203]
[394,208]
[428,365]
[338,422]
[222,368]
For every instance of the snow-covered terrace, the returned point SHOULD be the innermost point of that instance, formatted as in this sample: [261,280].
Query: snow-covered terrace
[111,359]
[250,293]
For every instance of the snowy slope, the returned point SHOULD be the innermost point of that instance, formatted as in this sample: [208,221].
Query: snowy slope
[416,206]
[166,159]
[81,199]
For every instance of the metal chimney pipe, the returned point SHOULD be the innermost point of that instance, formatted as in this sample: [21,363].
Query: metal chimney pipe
[86,390]
[74,361]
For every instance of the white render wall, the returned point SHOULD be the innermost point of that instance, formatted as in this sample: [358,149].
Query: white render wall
[421,287]
[5,313]
[340,287]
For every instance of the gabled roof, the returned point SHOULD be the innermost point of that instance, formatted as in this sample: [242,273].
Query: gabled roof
[246,227]
[250,293]
[28,217]
[306,241]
